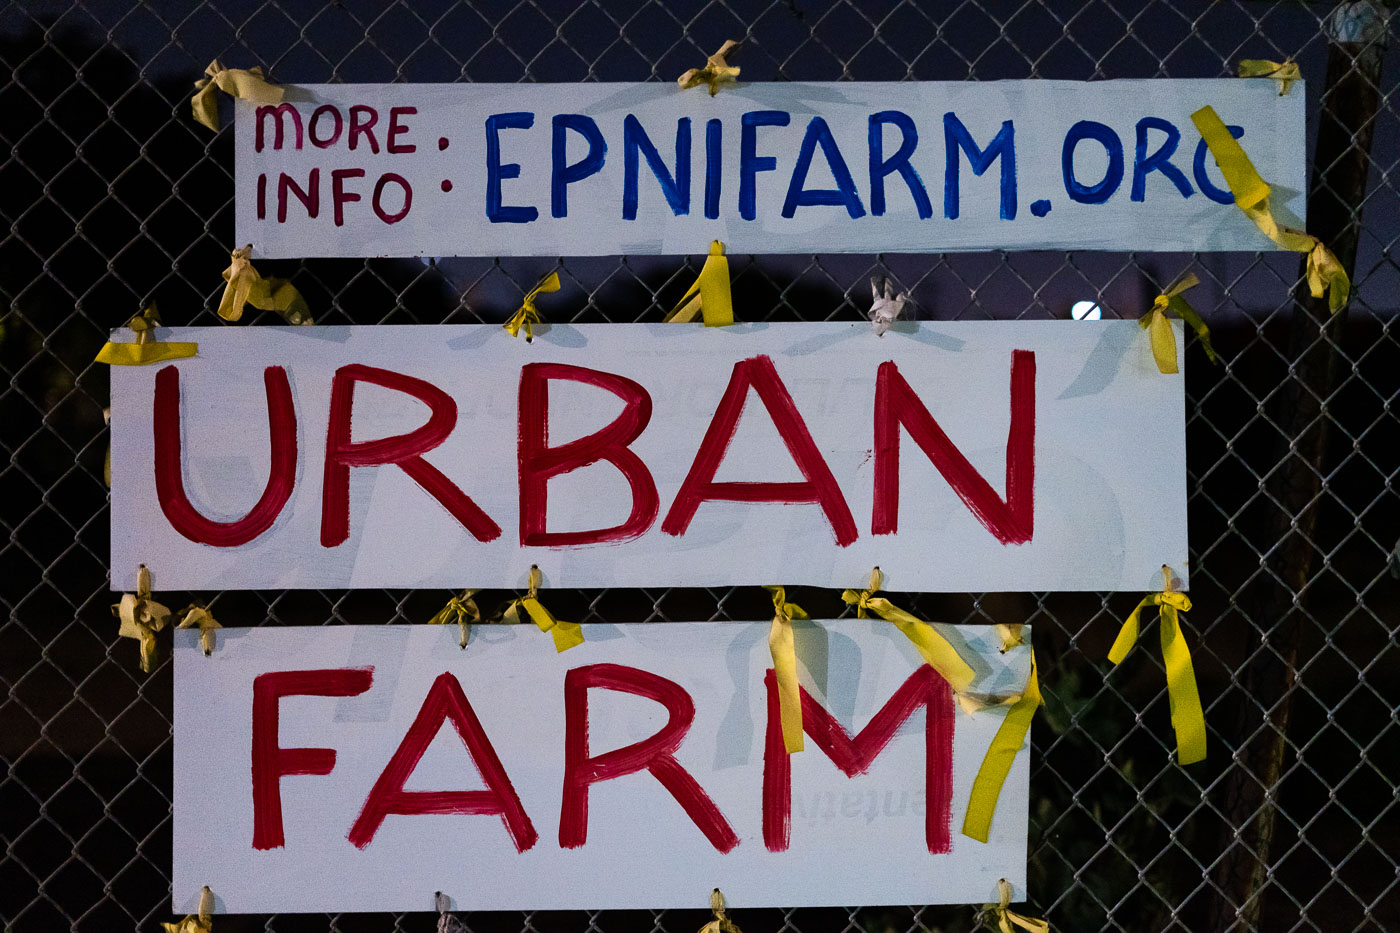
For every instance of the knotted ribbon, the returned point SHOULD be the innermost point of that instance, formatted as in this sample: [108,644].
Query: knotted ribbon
[1324,272]
[1159,328]
[244,286]
[884,309]
[248,84]
[447,922]
[196,616]
[721,923]
[1286,73]
[141,617]
[566,634]
[934,648]
[201,923]
[462,610]
[1005,916]
[528,315]
[1010,636]
[1187,718]
[717,71]
[146,349]
[708,295]
[783,649]
[996,764]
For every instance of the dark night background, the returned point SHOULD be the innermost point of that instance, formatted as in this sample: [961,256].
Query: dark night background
[112,197]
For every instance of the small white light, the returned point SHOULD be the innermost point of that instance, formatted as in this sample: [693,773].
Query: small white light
[1086,311]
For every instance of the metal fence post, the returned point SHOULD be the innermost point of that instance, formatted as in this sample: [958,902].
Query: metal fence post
[1341,166]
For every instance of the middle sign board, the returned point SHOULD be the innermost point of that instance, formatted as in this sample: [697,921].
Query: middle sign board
[962,457]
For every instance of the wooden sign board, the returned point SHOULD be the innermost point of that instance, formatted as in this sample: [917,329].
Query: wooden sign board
[362,768]
[774,167]
[1034,455]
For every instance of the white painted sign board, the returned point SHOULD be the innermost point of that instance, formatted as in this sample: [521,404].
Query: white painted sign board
[959,457]
[773,167]
[889,835]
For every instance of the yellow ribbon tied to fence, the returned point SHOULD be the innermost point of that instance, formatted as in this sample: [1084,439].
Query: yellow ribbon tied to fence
[461,610]
[1325,274]
[709,295]
[528,607]
[203,922]
[249,84]
[141,617]
[1187,717]
[717,70]
[1010,636]
[934,648]
[244,286]
[996,764]
[1005,916]
[784,651]
[146,349]
[1286,73]
[721,923]
[528,315]
[196,616]
[1159,328]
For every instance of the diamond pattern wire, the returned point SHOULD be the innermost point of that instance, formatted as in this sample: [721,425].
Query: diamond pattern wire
[112,196]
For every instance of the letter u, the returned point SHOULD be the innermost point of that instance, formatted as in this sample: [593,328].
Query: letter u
[170,479]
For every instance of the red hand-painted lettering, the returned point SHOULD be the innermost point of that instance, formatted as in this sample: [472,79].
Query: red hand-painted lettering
[655,753]
[855,755]
[819,486]
[539,462]
[403,450]
[271,762]
[445,701]
[169,469]
[1012,521]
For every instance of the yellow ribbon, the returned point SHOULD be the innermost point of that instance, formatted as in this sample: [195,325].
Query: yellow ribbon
[201,923]
[709,295]
[141,617]
[1005,916]
[1286,73]
[1324,272]
[1010,636]
[566,634]
[721,923]
[1187,717]
[460,609]
[528,315]
[196,616]
[1159,328]
[784,651]
[934,648]
[146,349]
[717,71]
[248,84]
[996,764]
[244,286]
[107,461]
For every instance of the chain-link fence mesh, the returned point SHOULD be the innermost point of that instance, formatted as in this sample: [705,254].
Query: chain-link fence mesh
[112,197]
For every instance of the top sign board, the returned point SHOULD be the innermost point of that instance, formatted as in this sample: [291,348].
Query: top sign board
[601,169]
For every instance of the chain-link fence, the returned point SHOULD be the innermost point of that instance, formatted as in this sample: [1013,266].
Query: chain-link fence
[112,197]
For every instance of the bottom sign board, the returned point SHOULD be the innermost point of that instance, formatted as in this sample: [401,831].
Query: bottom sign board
[363,768]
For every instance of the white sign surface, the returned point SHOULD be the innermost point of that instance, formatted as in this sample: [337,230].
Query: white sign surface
[601,169]
[1044,455]
[387,764]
